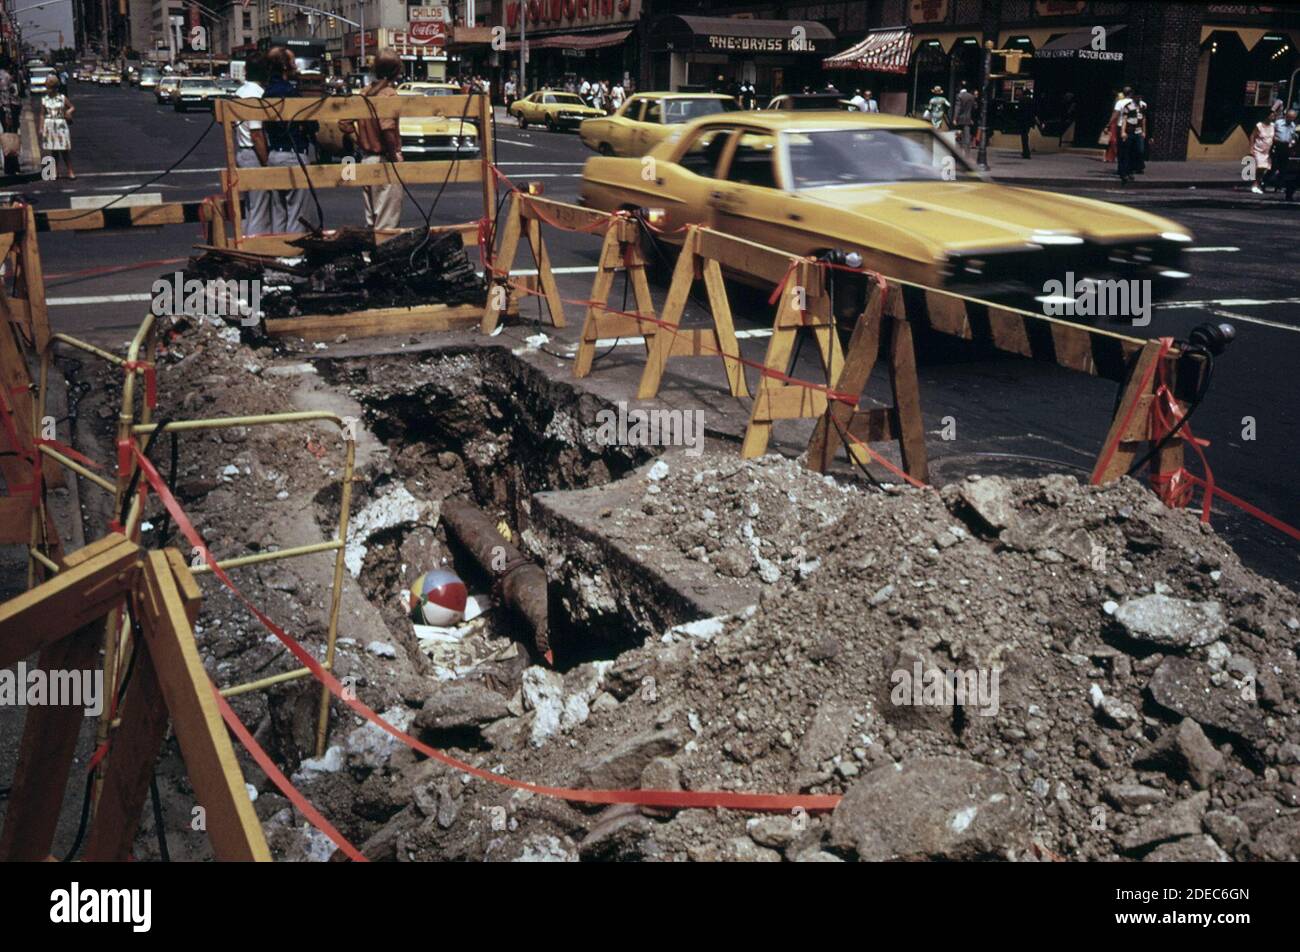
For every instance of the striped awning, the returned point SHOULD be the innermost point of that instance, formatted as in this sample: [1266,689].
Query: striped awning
[883,51]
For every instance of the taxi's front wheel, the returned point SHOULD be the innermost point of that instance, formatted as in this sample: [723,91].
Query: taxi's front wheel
[523,123]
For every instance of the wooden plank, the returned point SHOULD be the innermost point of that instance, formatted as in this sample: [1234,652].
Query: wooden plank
[50,734]
[907,400]
[679,291]
[433,172]
[564,214]
[127,216]
[278,246]
[739,254]
[34,285]
[724,328]
[780,348]
[547,279]
[788,402]
[214,772]
[876,425]
[859,361]
[502,261]
[1124,454]
[70,600]
[136,744]
[13,218]
[610,260]
[334,108]
[378,322]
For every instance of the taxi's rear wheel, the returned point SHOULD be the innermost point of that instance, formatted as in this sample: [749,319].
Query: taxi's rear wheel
[550,124]
[606,149]
[523,123]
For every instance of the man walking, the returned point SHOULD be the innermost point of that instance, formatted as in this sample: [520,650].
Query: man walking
[937,108]
[251,151]
[1131,123]
[380,140]
[963,115]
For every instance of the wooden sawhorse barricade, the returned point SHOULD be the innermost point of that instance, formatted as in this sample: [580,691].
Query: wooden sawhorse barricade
[63,619]
[472,169]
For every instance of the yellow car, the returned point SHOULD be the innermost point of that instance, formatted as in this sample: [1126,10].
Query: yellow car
[887,189]
[555,110]
[436,136]
[646,119]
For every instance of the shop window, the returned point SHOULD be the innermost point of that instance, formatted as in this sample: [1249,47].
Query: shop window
[751,163]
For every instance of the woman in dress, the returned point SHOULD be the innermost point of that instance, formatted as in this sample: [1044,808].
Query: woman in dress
[56,110]
[1261,145]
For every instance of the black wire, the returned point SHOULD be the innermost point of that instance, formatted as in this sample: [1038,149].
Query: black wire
[158,823]
[163,173]
[1192,406]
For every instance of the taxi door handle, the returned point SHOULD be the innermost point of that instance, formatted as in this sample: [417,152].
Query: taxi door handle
[795,216]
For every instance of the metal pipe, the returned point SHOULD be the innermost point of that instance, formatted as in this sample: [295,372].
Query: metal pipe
[261,557]
[221,423]
[268,681]
[89,348]
[105,484]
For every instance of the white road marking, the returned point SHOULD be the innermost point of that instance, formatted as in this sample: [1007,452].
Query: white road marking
[1228,302]
[526,145]
[150,172]
[537,164]
[97,299]
[637,341]
[1210,248]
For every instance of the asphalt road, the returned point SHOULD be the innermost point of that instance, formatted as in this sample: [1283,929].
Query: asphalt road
[1012,416]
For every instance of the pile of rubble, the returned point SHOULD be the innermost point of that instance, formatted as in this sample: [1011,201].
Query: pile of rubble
[1130,690]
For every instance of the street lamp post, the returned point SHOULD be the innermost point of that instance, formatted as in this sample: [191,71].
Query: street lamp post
[982,159]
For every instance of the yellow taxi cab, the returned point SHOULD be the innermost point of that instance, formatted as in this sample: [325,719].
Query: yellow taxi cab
[887,191]
[436,136]
[646,119]
[554,110]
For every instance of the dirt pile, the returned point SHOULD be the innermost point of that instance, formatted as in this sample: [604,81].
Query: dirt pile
[1021,669]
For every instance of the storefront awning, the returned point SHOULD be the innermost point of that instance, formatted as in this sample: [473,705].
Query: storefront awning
[684,34]
[883,51]
[1082,43]
[574,41]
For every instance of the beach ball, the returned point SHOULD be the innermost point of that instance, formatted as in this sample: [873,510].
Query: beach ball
[438,598]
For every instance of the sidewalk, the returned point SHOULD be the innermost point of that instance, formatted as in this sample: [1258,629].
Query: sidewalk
[1081,169]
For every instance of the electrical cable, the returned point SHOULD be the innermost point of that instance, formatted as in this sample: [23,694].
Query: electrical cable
[1192,405]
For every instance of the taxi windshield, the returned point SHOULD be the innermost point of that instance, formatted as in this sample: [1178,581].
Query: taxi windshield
[843,157]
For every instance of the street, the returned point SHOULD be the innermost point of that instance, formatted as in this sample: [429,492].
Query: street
[1008,416]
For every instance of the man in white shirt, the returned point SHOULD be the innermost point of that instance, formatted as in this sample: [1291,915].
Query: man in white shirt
[251,151]
[858,102]
[585,92]
[872,105]
[616,96]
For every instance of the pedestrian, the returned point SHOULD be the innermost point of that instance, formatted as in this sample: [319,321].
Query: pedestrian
[1132,125]
[1110,138]
[584,90]
[616,96]
[11,102]
[748,95]
[1283,136]
[857,101]
[963,115]
[509,91]
[1027,121]
[1261,147]
[251,151]
[289,143]
[937,108]
[380,140]
[872,105]
[55,113]
[598,96]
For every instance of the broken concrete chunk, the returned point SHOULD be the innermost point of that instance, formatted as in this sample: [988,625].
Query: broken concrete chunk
[1171,622]
[1182,819]
[1194,849]
[621,767]
[1183,686]
[1130,796]
[991,500]
[458,706]
[1184,751]
[929,808]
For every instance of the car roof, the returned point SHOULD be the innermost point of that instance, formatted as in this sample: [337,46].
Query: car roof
[683,96]
[777,120]
[425,84]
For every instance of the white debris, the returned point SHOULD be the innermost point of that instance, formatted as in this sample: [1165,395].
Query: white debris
[658,471]
[393,509]
[381,649]
[312,767]
[370,745]
[252,792]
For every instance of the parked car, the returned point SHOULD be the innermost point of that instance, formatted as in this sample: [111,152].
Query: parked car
[166,88]
[36,78]
[196,92]
[556,110]
[810,101]
[646,119]
[891,190]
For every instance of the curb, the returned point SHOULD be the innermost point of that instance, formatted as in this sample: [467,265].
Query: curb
[1113,181]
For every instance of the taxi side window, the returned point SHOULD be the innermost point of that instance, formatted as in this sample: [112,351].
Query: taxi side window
[548,99]
[751,163]
[655,111]
[704,151]
[636,110]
